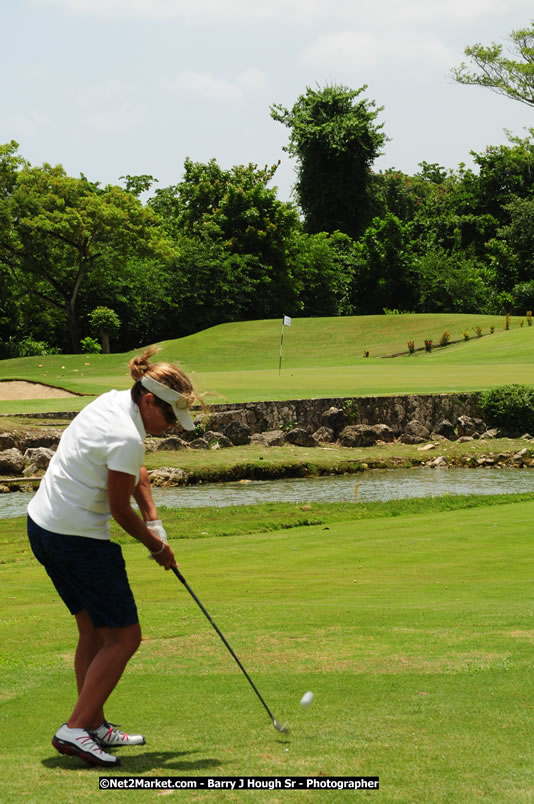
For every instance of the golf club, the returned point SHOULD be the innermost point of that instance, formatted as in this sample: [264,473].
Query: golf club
[278,727]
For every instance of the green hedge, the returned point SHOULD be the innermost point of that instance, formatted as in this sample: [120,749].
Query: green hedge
[510,407]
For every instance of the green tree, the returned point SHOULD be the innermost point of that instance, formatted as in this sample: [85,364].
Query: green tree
[450,282]
[247,226]
[335,139]
[323,267]
[212,285]
[383,279]
[106,323]
[56,230]
[512,77]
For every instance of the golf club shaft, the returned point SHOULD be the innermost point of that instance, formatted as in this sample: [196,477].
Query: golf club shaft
[206,614]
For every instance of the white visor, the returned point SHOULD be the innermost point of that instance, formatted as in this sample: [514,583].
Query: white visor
[178,402]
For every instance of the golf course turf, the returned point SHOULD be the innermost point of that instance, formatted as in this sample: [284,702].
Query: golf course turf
[411,621]
[413,628]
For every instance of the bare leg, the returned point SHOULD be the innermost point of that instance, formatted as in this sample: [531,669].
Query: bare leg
[90,641]
[101,656]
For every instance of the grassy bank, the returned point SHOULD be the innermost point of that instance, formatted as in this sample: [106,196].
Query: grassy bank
[323,357]
[412,625]
[256,462]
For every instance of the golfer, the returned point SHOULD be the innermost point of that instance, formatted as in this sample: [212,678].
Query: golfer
[93,476]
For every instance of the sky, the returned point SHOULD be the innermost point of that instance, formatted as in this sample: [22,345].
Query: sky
[115,87]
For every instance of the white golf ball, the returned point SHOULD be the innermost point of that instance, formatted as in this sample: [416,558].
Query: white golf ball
[307,699]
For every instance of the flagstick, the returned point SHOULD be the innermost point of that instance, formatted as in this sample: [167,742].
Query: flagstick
[281,346]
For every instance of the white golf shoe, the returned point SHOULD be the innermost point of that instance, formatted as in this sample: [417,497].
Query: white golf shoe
[78,742]
[108,735]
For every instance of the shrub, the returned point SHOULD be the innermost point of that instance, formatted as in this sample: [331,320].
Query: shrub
[478,331]
[90,346]
[445,338]
[492,328]
[466,335]
[25,347]
[286,427]
[529,317]
[351,410]
[522,296]
[428,345]
[411,347]
[366,353]
[510,407]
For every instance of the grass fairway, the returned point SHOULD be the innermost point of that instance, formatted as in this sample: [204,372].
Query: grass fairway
[323,357]
[414,628]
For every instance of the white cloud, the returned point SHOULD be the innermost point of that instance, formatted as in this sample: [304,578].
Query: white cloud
[205,10]
[106,107]
[203,85]
[23,125]
[294,11]
[252,80]
[363,50]
[410,12]
[210,87]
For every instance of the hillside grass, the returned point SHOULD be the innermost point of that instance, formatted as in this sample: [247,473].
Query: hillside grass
[413,629]
[322,357]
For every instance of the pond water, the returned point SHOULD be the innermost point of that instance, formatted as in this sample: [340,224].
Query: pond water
[376,484]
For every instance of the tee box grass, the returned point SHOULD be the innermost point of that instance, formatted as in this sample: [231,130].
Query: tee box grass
[414,630]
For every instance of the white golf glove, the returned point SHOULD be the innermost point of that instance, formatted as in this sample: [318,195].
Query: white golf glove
[156,526]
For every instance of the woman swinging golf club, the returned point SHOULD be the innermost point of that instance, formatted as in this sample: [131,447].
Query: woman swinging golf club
[97,469]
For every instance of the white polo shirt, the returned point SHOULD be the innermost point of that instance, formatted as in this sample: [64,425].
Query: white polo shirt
[73,496]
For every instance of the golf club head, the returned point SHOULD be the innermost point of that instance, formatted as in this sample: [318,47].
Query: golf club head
[284,729]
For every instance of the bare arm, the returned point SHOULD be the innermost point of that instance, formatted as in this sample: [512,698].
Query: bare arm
[121,488]
[143,497]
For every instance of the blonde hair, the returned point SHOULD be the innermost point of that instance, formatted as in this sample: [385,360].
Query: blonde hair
[166,373]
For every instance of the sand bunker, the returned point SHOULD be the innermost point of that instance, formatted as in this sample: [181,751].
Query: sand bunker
[18,389]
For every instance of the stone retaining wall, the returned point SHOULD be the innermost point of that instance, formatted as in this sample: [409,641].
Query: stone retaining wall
[395,411]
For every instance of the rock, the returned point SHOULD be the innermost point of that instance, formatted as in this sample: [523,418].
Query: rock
[467,426]
[238,432]
[406,438]
[446,429]
[358,435]
[464,439]
[168,476]
[486,460]
[217,440]
[7,441]
[199,443]
[415,428]
[426,447]
[272,438]
[335,419]
[11,461]
[383,433]
[300,438]
[38,457]
[324,435]
[527,437]
[437,462]
[4,489]
[47,438]
[171,443]
[522,456]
